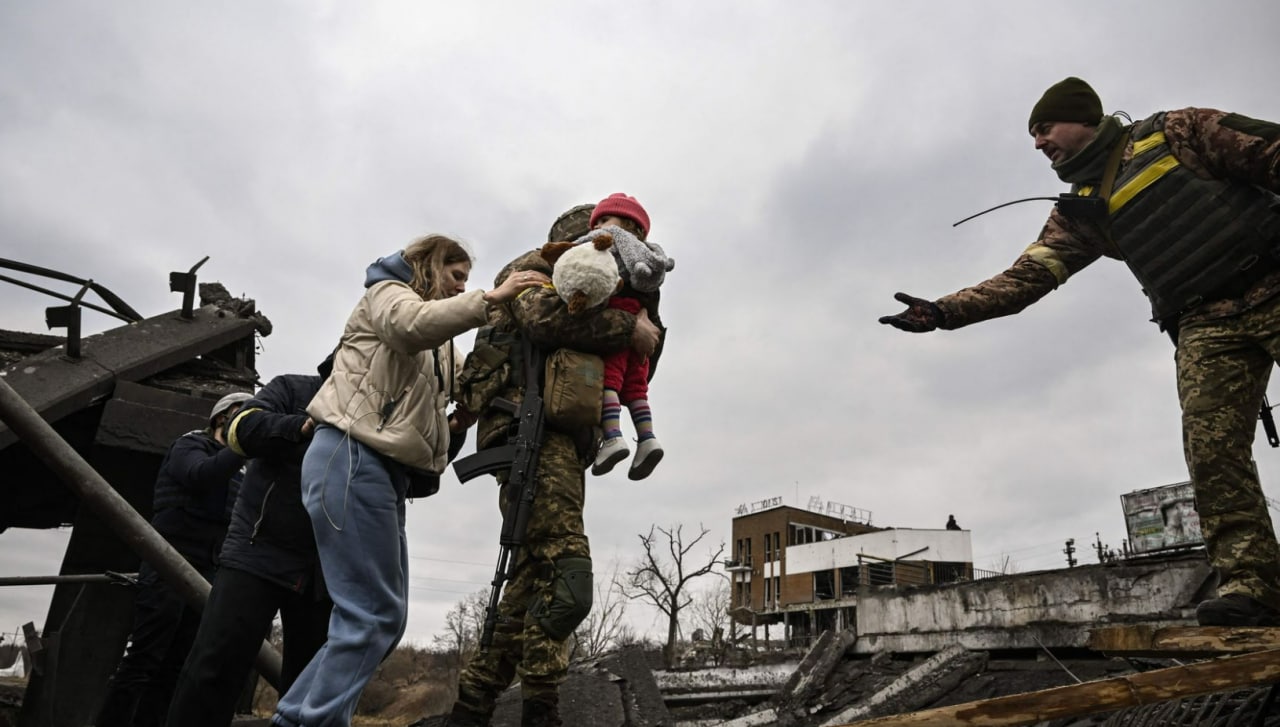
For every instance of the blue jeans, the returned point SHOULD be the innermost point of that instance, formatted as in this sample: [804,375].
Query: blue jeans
[356,503]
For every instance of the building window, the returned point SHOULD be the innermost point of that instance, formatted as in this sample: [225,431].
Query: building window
[748,558]
[768,592]
[824,585]
[777,590]
[848,581]
[777,541]
[768,548]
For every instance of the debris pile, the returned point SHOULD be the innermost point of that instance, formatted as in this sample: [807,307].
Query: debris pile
[833,686]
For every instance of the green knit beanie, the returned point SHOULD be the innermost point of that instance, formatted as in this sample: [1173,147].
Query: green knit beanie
[1067,100]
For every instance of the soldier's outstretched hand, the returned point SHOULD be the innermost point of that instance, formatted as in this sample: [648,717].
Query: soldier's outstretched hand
[921,316]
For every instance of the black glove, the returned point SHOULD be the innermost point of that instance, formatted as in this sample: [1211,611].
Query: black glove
[921,316]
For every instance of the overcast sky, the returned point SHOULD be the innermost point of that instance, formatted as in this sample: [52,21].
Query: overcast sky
[801,161]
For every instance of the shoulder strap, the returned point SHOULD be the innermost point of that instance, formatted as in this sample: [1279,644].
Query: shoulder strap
[1108,185]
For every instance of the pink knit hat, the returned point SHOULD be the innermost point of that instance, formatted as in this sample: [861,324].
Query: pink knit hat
[621,205]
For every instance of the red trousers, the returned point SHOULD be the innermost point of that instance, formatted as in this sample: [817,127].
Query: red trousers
[626,371]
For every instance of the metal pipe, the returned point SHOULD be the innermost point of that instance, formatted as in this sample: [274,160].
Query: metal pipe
[109,577]
[1055,659]
[101,497]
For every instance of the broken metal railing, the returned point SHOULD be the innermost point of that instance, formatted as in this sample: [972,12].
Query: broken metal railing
[119,308]
[68,316]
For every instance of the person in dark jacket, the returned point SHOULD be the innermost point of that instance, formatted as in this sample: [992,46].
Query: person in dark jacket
[268,564]
[195,490]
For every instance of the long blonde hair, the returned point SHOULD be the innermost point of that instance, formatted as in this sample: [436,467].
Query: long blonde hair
[427,257]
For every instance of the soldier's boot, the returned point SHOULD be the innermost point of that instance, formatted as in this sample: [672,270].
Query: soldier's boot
[1236,609]
[471,709]
[460,716]
[541,711]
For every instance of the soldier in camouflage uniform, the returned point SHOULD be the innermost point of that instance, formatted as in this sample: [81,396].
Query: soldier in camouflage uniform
[551,589]
[1187,199]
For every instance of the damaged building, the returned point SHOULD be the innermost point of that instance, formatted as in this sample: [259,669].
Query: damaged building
[115,400]
[802,569]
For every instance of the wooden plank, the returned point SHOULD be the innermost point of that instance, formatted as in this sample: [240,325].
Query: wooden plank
[1106,695]
[1174,641]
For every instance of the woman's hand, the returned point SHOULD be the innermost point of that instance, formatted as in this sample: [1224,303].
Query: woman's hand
[461,419]
[645,337]
[515,282]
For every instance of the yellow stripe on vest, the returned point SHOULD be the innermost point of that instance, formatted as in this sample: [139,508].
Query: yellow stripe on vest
[1144,179]
[1148,142]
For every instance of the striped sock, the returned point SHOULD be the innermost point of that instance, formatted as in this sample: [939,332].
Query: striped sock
[611,415]
[642,418]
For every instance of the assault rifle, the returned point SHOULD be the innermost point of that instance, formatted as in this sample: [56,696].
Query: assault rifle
[519,457]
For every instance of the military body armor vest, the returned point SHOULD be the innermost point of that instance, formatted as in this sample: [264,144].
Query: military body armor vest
[1188,240]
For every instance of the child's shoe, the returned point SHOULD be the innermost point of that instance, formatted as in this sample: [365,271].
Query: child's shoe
[648,455]
[612,451]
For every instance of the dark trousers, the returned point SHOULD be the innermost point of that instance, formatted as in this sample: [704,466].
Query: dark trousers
[163,629]
[236,619]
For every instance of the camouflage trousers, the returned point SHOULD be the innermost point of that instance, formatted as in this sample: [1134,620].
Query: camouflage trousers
[1223,368]
[556,530]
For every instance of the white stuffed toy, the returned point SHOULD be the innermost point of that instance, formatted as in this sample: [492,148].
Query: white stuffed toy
[584,275]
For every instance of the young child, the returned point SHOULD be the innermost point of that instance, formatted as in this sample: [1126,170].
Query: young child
[643,266]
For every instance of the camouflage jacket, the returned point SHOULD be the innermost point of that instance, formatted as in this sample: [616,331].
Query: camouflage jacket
[542,316]
[1212,144]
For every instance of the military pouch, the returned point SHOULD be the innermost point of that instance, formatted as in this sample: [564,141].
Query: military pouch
[487,369]
[573,389]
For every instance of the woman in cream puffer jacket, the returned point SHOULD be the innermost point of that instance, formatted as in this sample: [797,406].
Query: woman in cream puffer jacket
[379,416]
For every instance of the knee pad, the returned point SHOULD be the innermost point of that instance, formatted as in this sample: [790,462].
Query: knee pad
[570,598]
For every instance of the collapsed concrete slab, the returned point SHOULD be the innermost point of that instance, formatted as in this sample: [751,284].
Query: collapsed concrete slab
[804,689]
[922,685]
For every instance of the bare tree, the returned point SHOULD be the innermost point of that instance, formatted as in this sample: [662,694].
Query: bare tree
[710,614]
[710,609]
[462,626]
[605,627]
[662,579]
